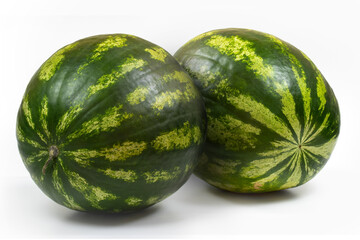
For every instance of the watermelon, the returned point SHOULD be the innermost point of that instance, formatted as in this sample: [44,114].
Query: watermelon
[110,123]
[273,120]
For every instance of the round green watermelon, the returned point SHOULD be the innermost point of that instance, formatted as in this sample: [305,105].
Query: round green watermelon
[110,123]
[273,120]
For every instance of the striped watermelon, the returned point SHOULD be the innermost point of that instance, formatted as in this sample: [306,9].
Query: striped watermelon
[273,120]
[110,123]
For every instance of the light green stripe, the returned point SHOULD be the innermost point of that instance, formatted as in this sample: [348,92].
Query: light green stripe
[220,167]
[137,96]
[307,159]
[41,137]
[321,88]
[310,172]
[205,76]
[157,53]
[279,146]
[118,152]
[27,112]
[44,115]
[201,36]
[112,118]
[37,157]
[258,168]
[59,187]
[305,91]
[299,74]
[66,119]
[261,114]
[308,156]
[241,50]
[91,193]
[177,139]
[295,170]
[190,92]
[166,99]
[233,133]
[102,48]
[109,79]
[153,200]
[125,175]
[257,110]
[275,175]
[289,108]
[170,98]
[21,137]
[180,76]
[321,92]
[51,65]
[109,43]
[161,175]
[20,134]
[323,150]
[34,143]
[312,135]
[133,201]
[223,185]
[308,130]
[84,157]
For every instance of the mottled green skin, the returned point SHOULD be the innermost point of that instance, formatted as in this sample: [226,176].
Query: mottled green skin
[120,149]
[273,120]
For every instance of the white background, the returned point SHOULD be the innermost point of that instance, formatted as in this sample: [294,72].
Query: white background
[327,31]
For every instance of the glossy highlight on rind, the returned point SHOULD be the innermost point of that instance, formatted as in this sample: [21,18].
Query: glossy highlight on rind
[127,122]
[273,120]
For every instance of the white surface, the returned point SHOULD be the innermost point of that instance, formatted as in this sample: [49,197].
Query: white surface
[327,31]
